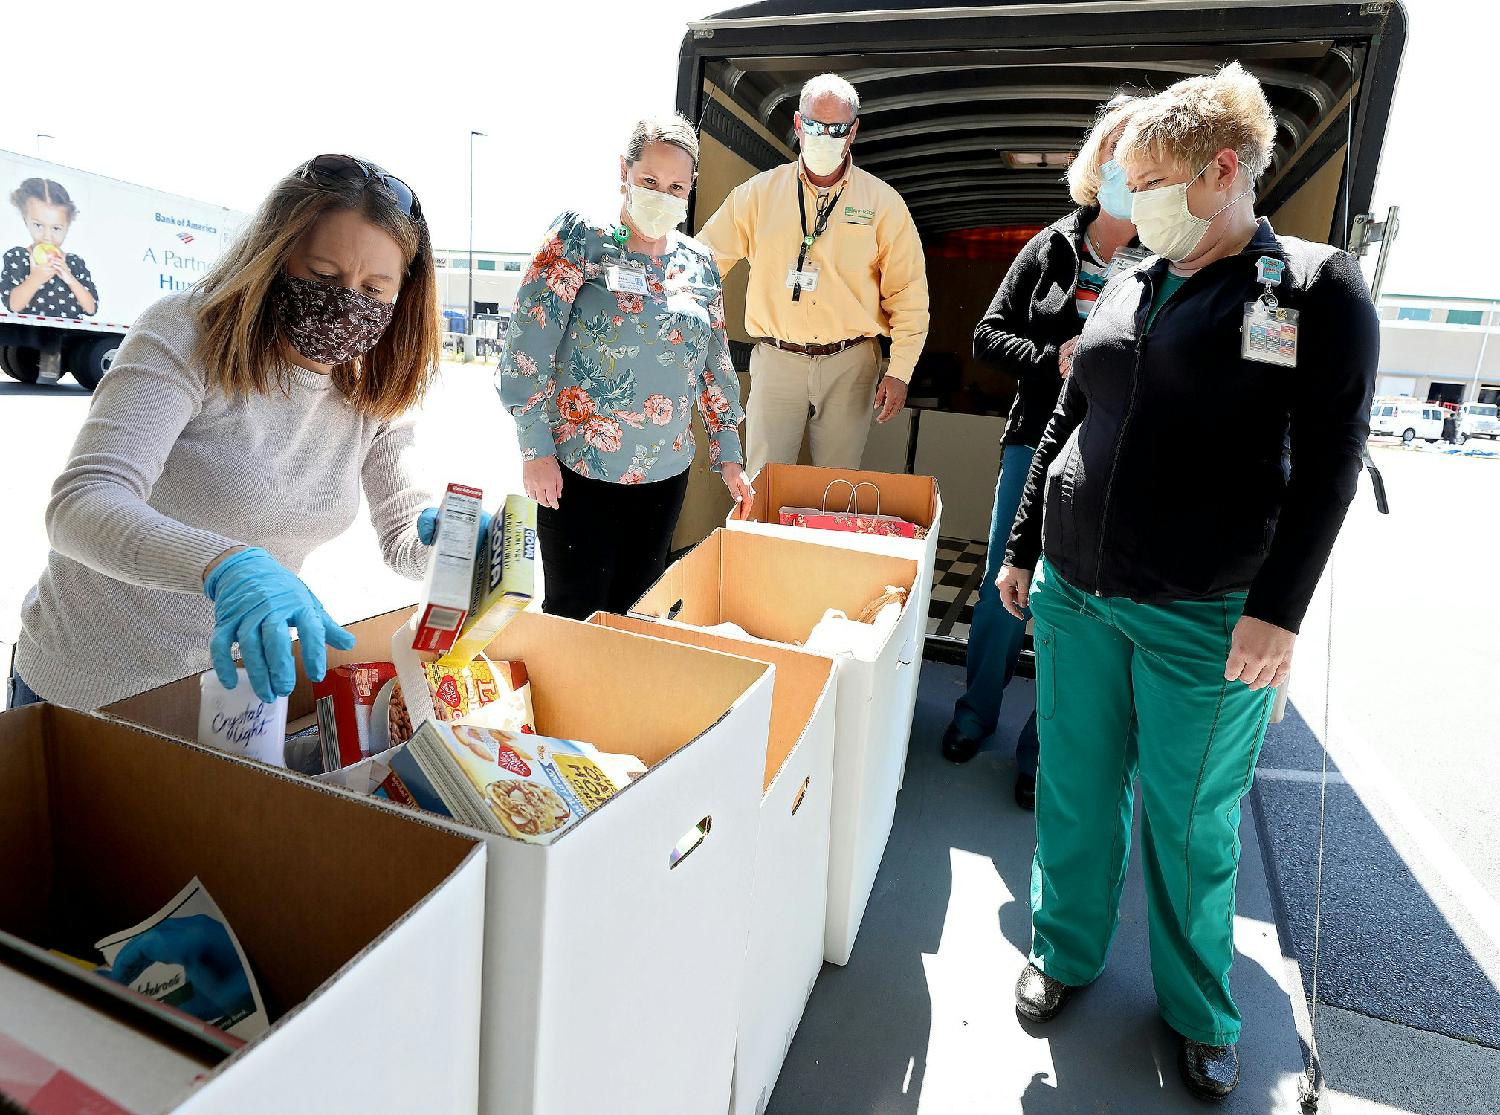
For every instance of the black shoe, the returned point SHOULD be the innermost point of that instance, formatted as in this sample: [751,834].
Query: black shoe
[1039,997]
[1026,791]
[957,747]
[1209,1071]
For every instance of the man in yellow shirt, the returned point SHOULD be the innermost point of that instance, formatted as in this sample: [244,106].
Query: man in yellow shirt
[835,261]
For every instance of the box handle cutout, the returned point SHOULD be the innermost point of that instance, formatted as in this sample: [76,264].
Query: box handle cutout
[691,841]
[801,793]
[675,610]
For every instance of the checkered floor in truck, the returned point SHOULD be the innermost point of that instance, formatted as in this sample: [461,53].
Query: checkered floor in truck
[955,588]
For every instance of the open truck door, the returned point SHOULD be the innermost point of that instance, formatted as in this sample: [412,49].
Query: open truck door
[973,114]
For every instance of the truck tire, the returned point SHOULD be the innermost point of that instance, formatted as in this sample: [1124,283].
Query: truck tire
[90,360]
[1408,436]
[23,364]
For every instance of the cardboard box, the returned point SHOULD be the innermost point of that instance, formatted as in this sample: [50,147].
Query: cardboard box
[448,592]
[778,589]
[611,976]
[789,903]
[913,498]
[367,961]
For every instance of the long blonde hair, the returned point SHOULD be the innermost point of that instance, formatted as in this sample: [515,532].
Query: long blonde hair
[238,339]
[1086,171]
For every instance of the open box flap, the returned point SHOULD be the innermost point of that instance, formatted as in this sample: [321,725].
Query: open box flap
[803,681]
[913,498]
[774,588]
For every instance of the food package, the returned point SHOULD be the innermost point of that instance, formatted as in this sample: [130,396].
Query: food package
[237,721]
[485,693]
[187,956]
[504,582]
[529,787]
[345,698]
[448,593]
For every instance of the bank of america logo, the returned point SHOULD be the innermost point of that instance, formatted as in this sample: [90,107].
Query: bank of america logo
[185,237]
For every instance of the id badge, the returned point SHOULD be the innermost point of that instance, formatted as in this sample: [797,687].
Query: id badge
[807,278]
[1123,260]
[1269,334]
[626,278]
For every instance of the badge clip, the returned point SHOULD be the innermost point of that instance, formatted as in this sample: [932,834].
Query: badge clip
[1268,272]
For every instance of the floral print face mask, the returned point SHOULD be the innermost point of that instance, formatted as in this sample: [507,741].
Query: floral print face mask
[328,324]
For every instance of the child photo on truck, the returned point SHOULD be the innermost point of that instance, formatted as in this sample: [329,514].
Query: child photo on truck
[39,277]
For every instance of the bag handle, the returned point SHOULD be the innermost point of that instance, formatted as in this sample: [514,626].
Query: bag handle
[854,499]
[853,493]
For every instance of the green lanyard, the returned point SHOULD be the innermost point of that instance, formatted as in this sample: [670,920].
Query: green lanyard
[820,225]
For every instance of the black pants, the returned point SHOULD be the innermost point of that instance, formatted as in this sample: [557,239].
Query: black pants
[606,544]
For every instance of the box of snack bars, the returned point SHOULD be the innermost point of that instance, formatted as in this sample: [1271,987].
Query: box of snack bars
[505,581]
[345,700]
[448,592]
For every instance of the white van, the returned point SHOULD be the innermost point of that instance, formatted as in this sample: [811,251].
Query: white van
[1407,419]
[1478,420]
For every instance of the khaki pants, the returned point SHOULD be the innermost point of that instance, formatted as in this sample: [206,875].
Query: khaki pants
[830,398]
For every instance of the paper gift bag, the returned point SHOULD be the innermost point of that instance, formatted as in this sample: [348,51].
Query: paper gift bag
[851,519]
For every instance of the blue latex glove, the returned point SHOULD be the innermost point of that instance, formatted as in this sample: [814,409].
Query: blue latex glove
[256,603]
[427,524]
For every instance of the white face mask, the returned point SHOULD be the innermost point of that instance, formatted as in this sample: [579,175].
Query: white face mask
[654,214]
[823,154]
[1164,222]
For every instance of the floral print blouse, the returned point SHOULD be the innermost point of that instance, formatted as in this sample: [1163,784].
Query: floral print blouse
[607,380]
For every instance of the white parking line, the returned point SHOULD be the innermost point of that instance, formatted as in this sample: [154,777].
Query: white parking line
[1286,774]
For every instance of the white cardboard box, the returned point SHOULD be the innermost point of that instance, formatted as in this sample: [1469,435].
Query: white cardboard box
[790,899]
[778,589]
[913,498]
[103,823]
[611,977]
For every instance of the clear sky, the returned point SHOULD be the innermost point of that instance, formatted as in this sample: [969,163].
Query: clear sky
[216,100]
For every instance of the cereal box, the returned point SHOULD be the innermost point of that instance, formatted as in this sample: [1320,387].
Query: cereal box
[530,787]
[449,589]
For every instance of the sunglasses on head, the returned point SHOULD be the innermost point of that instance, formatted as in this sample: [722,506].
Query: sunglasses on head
[818,127]
[337,170]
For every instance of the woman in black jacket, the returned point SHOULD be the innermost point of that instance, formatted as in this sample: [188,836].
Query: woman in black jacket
[1195,476]
[1029,332]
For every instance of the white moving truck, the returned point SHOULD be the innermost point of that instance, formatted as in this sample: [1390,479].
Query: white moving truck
[83,255]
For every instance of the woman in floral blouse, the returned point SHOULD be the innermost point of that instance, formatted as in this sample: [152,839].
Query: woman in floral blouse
[618,333]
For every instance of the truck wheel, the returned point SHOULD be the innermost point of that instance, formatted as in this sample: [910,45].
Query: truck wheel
[24,364]
[90,360]
[1408,436]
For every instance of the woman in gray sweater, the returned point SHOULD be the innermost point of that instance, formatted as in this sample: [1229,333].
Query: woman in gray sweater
[231,438]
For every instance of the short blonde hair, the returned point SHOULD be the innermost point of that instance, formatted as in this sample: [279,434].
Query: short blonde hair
[1086,171]
[1190,122]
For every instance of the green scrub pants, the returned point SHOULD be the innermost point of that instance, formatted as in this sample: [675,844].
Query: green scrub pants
[1127,689]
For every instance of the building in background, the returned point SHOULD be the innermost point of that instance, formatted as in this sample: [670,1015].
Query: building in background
[1440,350]
[497,277]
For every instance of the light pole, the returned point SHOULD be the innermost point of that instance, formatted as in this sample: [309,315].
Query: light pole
[469,310]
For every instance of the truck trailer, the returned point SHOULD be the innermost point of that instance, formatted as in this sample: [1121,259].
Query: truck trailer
[85,254]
